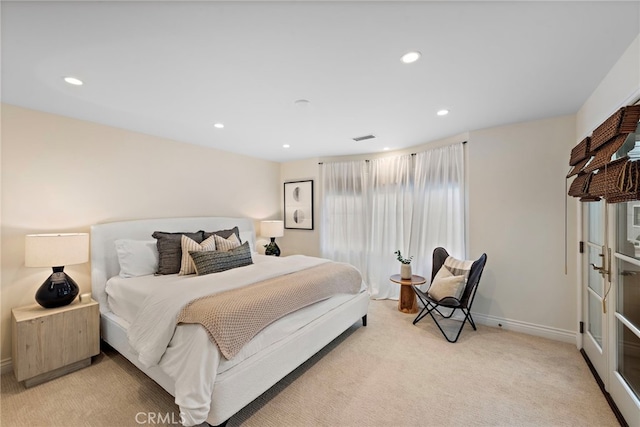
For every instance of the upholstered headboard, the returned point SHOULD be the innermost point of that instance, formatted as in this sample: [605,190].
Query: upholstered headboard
[104,259]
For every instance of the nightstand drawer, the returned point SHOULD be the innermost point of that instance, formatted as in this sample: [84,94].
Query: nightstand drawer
[45,341]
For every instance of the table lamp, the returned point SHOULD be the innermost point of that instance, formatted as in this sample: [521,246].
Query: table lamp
[272,229]
[56,251]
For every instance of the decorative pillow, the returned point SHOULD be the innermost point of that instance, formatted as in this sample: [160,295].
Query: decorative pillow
[446,284]
[458,267]
[223,233]
[223,244]
[217,261]
[247,236]
[137,257]
[170,250]
[190,245]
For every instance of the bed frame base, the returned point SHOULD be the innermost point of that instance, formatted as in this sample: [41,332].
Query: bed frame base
[240,385]
[235,388]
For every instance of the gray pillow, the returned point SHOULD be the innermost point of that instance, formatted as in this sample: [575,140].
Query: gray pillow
[225,234]
[170,250]
[207,262]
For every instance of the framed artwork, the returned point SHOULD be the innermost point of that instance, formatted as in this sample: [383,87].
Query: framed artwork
[298,205]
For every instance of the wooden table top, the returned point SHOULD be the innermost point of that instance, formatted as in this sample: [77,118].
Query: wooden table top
[415,280]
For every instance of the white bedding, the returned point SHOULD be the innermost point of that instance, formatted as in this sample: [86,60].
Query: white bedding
[150,304]
[127,295]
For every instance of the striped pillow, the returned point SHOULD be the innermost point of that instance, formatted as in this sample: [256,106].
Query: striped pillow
[208,262]
[190,245]
[227,244]
[458,267]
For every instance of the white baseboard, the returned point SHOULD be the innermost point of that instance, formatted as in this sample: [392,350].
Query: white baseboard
[6,366]
[526,328]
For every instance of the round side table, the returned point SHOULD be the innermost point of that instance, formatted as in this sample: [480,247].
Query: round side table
[408,302]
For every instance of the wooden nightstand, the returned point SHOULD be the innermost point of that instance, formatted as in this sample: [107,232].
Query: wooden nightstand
[50,342]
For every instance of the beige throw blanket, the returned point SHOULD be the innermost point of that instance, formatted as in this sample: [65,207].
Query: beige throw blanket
[234,317]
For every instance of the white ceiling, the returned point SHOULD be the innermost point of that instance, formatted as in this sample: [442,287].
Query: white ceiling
[173,69]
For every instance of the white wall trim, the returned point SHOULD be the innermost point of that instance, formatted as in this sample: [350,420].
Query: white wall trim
[526,328]
[6,366]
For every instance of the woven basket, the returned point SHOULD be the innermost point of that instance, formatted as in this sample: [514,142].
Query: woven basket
[580,152]
[625,120]
[628,184]
[580,186]
[606,151]
[578,167]
[605,182]
[629,179]
[590,199]
[621,198]
[606,130]
[630,119]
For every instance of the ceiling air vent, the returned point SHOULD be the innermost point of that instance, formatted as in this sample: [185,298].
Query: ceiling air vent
[363,138]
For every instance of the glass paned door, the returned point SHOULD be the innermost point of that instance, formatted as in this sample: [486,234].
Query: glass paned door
[625,383]
[595,266]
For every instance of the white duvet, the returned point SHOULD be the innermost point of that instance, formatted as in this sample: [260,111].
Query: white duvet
[185,353]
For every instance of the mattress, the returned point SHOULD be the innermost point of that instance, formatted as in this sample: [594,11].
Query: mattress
[126,297]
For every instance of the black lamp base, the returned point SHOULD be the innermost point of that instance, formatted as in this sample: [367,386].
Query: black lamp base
[272,248]
[58,290]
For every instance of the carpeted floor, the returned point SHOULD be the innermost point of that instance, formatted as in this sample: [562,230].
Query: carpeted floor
[390,373]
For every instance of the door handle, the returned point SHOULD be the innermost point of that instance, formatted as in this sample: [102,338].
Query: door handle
[600,269]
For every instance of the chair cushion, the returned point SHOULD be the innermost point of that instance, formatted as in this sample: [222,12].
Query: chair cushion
[445,284]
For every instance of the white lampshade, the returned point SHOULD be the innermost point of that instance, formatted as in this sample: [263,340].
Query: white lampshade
[56,250]
[272,228]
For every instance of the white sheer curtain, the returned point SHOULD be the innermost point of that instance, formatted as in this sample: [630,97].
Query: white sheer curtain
[344,219]
[412,203]
[390,230]
[438,208]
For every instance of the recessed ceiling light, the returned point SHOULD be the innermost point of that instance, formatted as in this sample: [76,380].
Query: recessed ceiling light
[218,125]
[286,146]
[410,57]
[301,103]
[442,112]
[73,81]
[386,148]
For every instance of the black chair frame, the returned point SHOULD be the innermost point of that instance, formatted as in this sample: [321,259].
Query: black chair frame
[463,304]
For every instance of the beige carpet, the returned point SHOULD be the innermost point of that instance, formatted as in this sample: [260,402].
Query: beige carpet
[390,373]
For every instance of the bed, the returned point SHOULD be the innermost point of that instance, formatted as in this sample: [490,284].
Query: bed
[207,386]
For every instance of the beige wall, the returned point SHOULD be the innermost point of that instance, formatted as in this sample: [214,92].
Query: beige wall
[517,216]
[61,175]
[306,242]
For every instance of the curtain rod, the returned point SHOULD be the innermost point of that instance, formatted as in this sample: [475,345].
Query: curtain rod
[412,154]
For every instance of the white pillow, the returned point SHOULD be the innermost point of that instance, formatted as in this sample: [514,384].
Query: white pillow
[446,284]
[137,257]
[190,245]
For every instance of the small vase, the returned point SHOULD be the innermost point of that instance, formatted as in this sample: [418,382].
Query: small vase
[405,271]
